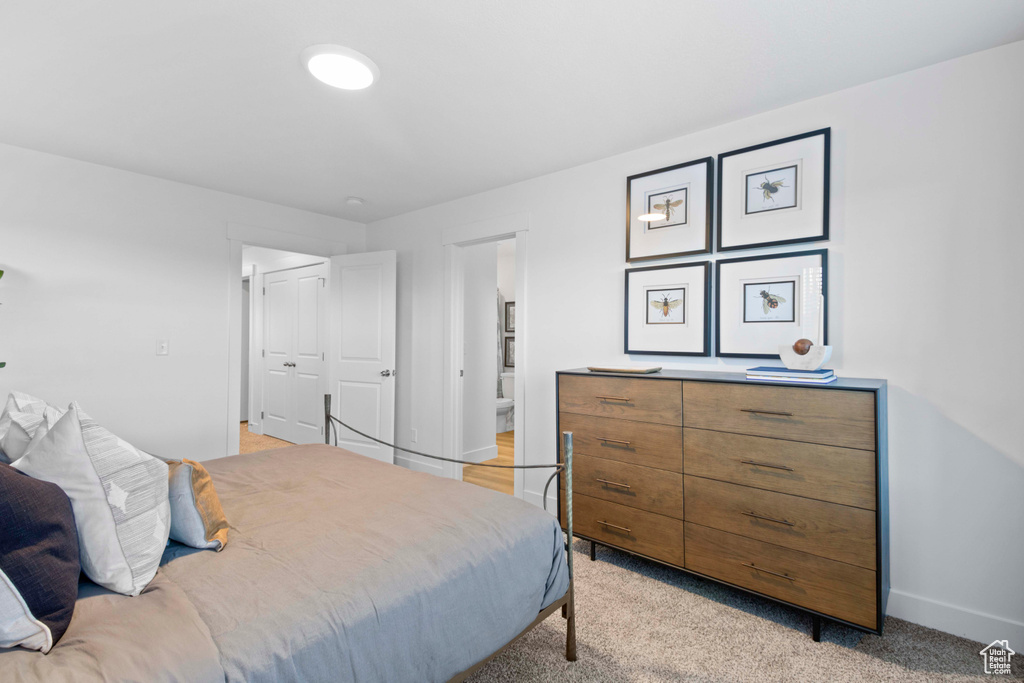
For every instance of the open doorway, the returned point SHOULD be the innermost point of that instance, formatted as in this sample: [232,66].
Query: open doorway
[284,344]
[459,244]
[489,333]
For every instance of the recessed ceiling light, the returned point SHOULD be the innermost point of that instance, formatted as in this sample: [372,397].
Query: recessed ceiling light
[340,67]
[355,201]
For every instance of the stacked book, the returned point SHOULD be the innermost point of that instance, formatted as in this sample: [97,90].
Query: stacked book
[770,373]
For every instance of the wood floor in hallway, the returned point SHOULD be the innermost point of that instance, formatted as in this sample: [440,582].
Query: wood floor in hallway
[250,443]
[499,480]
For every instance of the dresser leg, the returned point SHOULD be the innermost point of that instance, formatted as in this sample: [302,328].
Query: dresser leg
[816,628]
[593,551]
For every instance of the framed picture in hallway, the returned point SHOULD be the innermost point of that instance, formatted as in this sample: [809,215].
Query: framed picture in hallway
[510,352]
[668,310]
[668,211]
[775,192]
[510,316]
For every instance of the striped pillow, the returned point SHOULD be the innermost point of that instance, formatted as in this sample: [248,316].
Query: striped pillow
[118,494]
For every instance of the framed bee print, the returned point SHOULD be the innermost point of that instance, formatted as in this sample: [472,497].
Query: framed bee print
[765,301]
[668,211]
[668,310]
[510,316]
[774,193]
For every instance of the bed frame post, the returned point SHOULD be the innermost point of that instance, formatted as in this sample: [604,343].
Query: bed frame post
[327,419]
[570,624]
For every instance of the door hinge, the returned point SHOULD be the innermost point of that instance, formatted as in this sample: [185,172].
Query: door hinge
[321,431]
[323,356]
[261,414]
[461,373]
[264,291]
[263,353]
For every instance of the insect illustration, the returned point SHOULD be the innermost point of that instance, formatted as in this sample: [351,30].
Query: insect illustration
[667,207]
[770,188]
[665,304]
[770,301]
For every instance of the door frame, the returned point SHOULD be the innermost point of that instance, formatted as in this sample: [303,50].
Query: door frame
[454,239]
[238,236]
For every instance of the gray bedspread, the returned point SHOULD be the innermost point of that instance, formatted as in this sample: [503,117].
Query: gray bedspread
[338,568]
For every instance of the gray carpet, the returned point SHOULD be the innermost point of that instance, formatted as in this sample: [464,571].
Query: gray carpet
[640,621]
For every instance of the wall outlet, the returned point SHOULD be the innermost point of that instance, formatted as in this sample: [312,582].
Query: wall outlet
[415,435]
[163,347]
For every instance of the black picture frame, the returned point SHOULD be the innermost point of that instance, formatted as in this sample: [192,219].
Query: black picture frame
[510,352]
[708,217]
[827,163]
[510,314]
[823,253]
[705,337]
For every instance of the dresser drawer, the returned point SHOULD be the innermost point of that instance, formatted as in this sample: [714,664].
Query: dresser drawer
[638,443]
[643,400]
[837,475]
[832,588]
[645,533]
[837,532]
[638,487]
[833,417]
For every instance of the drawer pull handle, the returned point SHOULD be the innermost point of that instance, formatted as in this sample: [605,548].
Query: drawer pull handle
[613,483]
[618,441]
[614,526]
[613,398]
[766,412]
[768,519]
[765,464]
[768,571]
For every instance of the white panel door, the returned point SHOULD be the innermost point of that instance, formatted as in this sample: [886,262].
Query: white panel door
[362,350]
[294,362]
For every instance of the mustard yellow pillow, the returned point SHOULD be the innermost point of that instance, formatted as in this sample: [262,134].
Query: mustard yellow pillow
[197,518]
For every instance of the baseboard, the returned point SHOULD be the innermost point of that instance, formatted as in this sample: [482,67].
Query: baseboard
[481,454]
[959,621]
[418,465]
[537,498]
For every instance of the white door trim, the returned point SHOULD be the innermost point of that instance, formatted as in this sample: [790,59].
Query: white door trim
[240,235]
[453,239]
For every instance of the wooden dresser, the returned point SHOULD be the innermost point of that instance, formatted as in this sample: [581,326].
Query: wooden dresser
[780,490]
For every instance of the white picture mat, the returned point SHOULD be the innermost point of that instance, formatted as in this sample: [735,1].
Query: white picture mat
[677,239]
[737,337]
[687,337]
[805,220]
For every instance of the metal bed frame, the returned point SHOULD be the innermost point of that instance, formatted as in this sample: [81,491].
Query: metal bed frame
[566,602]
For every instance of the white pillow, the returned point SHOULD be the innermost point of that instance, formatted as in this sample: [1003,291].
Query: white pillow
[118,494]
[21,417]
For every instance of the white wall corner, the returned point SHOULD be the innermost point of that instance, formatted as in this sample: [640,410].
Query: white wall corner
[959,621]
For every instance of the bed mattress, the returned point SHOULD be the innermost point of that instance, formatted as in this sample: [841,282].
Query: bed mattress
[338,568]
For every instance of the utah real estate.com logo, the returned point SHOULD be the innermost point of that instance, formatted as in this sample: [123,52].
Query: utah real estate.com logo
[997,657]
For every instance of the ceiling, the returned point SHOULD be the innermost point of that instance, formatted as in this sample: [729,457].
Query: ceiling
[473,95]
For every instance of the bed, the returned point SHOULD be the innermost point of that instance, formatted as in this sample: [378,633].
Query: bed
[338,568]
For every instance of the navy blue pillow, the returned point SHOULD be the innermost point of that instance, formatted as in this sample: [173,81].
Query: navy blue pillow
[39,556]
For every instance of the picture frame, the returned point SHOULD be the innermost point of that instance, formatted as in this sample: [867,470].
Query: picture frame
[775,193]
[510,316]
[765,301]
[510,352]
[668,310]
[684,192]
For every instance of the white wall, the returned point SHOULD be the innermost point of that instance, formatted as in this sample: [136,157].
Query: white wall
[244,404]
[927,237]
[480,351]
[100,264]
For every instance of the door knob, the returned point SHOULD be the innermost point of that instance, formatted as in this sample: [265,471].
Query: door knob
[289,365]
[385,373]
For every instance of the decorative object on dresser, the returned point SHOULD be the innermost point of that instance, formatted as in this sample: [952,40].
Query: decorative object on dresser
[668,211]
[668,310]
[766,301]
[777,490]
[774,193]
